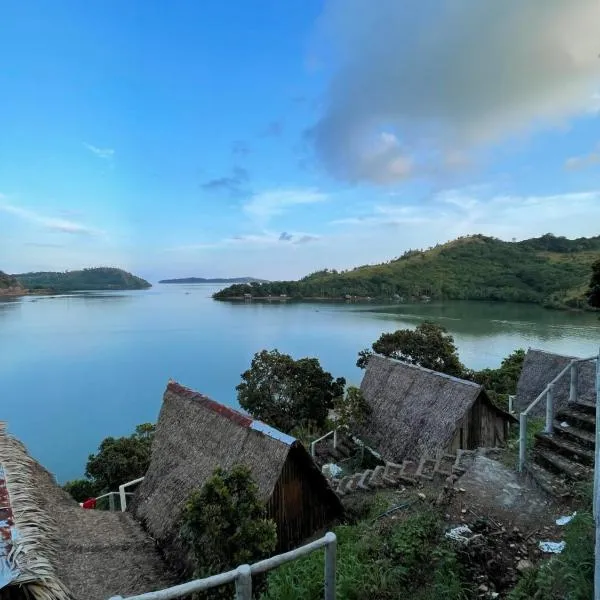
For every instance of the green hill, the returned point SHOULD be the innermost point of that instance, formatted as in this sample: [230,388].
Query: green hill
[9,284]
[101,278]
[549,270]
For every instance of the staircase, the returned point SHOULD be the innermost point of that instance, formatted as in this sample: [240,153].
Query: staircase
[345,447]
[566,456]
[445,467]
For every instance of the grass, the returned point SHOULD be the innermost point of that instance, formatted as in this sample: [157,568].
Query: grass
[381,560]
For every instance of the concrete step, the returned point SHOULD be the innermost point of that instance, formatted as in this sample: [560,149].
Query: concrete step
[564,467]
[566,447]
[577,418]
[584,406]
[579,436]
[548,482]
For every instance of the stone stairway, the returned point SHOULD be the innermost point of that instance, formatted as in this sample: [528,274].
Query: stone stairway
[565,456]
[345,448]
[444,467]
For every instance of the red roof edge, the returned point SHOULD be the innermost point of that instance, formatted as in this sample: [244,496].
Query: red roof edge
[225,411]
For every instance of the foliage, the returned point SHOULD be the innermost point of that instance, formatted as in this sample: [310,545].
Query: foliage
[502,382]
[81,489]
[288,393]
[381,560]
[8,281]
[569,575]
[351,409]
[225,524]
[547,270]
[101,278]
[594,291]
[429,345]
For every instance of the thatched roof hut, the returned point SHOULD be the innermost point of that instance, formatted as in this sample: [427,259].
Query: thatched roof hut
[416,411]
[194,436]
[52,549]
[540,368]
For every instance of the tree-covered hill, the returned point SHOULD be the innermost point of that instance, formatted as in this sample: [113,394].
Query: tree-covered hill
[101,278]
[9,283]
[551,270]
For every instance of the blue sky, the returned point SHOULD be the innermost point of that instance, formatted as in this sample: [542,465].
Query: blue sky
[274,138]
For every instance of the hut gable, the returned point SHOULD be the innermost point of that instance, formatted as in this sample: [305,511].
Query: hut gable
[56,550]
[540,368]
[194,436]
[416,411]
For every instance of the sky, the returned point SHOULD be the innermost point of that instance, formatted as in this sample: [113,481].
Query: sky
[274,138]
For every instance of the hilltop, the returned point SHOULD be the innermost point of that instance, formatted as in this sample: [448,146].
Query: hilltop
[231,280]
[9,285]
[101,278]
[549,270]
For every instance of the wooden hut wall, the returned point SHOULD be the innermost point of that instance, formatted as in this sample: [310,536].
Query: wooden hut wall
[299,503]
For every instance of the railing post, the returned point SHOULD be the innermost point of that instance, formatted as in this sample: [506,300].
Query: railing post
[312,448]
[243,583]
[123,498]
[596,507]
[335,438]
[111,502]
[522,440]
[573,386]
[550,409]
[511,399]
[330,565]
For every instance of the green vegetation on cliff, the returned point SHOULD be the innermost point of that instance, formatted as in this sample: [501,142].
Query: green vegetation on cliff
[550,270]
[101,278]
[8,282]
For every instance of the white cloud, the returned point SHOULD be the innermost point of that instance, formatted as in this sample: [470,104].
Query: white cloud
[264,206]
[585,160]
[105,153]
[50,223]
[449,75]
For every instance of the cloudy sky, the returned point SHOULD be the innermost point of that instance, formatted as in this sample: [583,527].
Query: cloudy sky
[273,138]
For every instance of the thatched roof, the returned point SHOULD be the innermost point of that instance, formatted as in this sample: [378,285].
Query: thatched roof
[63,552]
[540,368]
[414,411]
[194,436]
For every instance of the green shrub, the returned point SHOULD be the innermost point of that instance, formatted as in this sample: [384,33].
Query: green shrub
[225,525]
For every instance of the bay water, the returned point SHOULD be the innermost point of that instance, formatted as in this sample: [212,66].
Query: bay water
[77,368]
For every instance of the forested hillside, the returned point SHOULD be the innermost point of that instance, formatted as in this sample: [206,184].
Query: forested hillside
[551,270]
[102,278]
[9,284]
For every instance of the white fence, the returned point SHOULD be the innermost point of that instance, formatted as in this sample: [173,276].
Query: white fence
[242,576]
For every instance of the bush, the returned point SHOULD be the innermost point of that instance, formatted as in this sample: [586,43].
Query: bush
[225,525]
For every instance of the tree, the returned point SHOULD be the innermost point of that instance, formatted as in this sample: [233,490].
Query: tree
[594,291]
[121,459]
[429,345]
[81,489]
[502,382]
[351,409]
[288,393]
[225,524]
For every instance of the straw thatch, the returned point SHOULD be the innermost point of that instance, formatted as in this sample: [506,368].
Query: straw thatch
[194,436]
[540,368]
[416,411]
[64,552]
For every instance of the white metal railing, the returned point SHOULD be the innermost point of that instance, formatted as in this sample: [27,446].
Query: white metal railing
[548,394]
[123,494]
[313,445]
[242,576]
[596,501]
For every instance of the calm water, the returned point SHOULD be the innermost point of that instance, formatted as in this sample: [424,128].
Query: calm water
[76,369]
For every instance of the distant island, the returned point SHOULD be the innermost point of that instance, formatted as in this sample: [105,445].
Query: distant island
[239,280]
[94,279]
[552,271]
